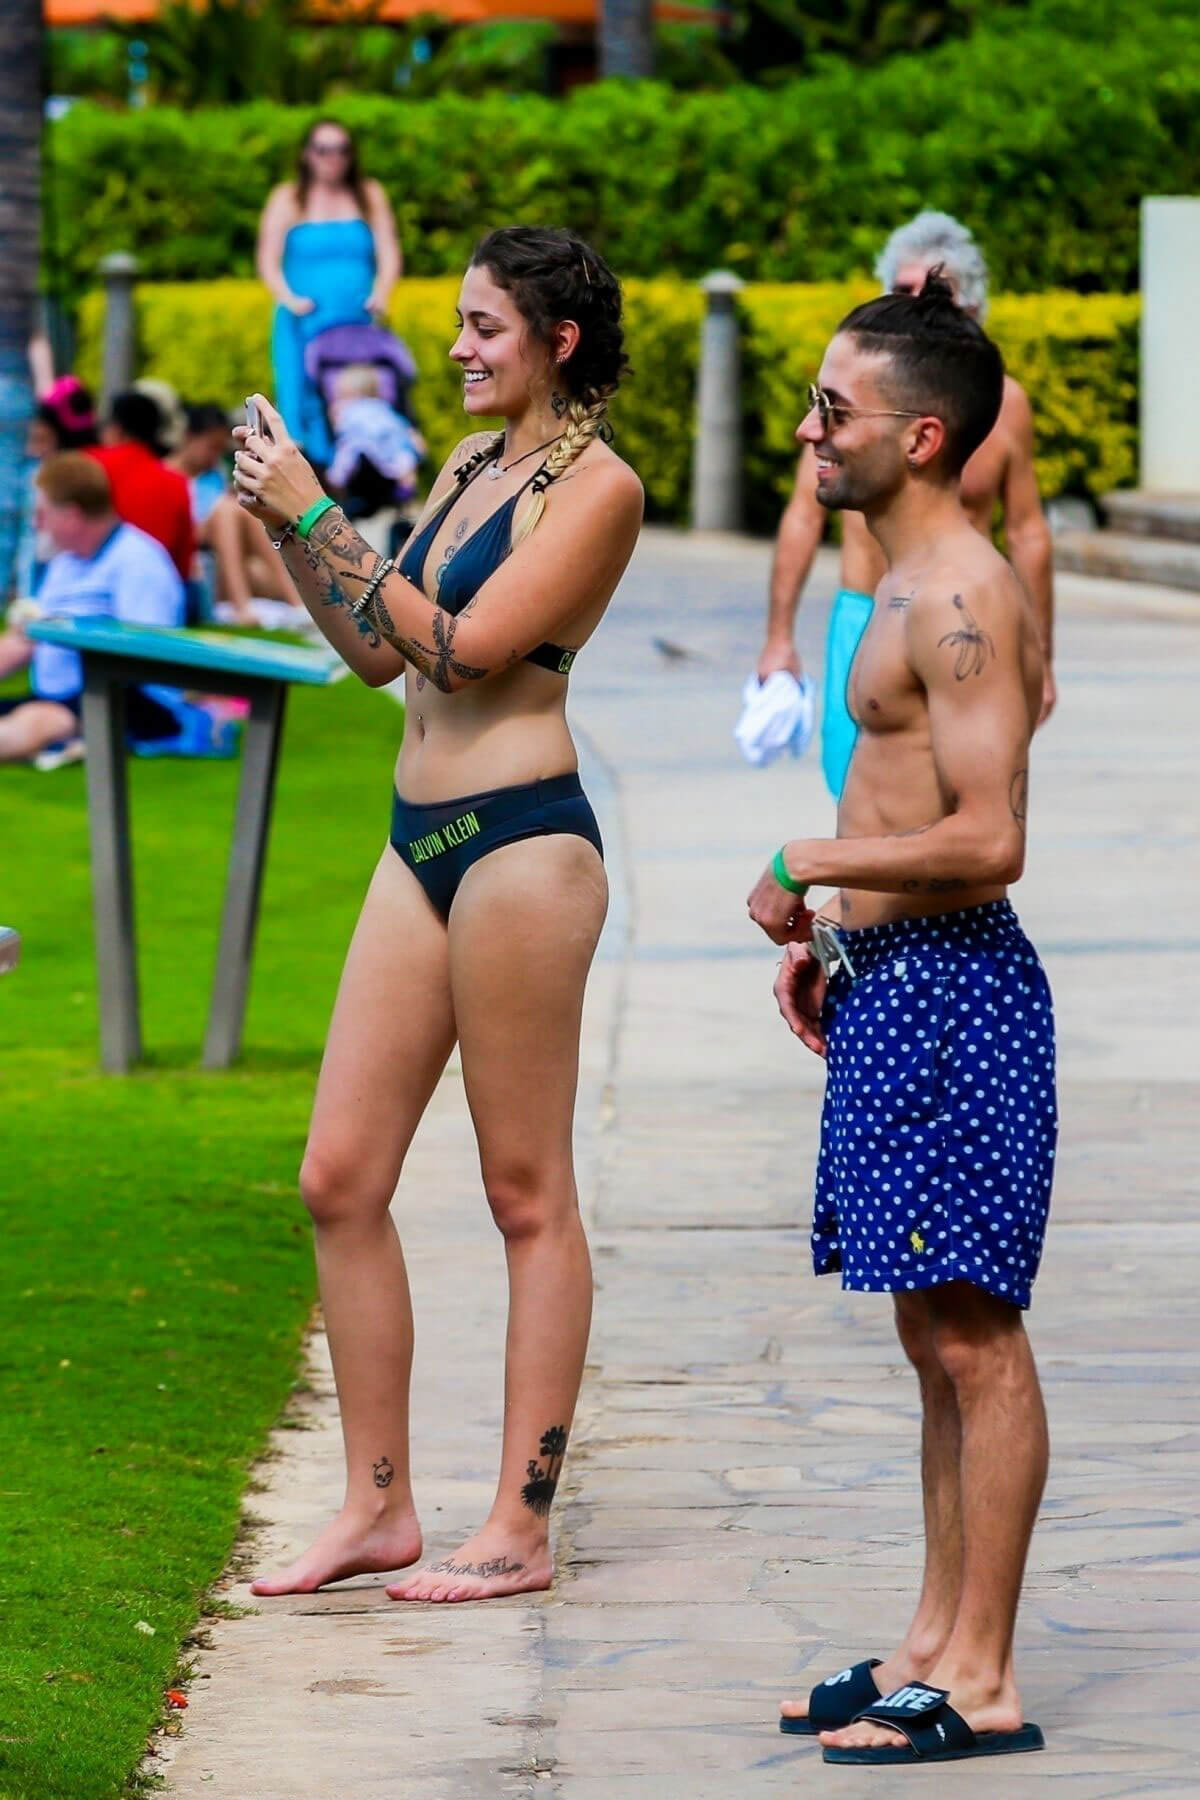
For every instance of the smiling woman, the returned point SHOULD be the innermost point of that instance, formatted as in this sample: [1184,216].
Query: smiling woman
[484,913]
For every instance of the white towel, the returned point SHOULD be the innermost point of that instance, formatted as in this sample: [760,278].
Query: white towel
[778,714]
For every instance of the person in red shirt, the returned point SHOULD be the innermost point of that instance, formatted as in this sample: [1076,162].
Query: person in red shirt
[145,492]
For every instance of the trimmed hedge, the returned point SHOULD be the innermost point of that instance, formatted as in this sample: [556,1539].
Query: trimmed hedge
[1077,355]
[211,341]
[1044,149]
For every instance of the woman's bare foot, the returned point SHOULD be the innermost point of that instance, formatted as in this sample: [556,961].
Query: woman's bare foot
[498,1560]
[349,1545]
[985,1706]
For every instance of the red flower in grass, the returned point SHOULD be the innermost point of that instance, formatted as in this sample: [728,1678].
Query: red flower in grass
[175,1698]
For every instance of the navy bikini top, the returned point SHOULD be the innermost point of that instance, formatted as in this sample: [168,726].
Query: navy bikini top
[463,574]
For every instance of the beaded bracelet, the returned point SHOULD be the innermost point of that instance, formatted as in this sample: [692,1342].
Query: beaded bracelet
[382,571]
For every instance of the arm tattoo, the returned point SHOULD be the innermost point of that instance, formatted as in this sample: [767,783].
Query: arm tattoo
[937,884]
[334,533]
[1018,796]
[971,642]
[435,661]
[900,602]
[444,627]
[310,570]
[538,1491]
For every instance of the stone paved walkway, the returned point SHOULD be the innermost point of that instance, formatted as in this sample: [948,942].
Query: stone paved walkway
[741,1500]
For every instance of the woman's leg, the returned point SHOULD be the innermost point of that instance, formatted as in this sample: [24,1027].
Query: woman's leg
[246,564]
[392,1030]
[523,930]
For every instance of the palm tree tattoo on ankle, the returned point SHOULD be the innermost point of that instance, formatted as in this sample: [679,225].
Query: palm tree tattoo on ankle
[538,1491]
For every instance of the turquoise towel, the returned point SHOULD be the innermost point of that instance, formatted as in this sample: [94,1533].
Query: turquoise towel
[849,619]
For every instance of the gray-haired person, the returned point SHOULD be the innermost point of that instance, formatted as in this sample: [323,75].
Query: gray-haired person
[1001,471]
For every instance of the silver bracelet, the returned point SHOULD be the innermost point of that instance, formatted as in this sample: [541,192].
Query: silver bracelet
[373,586]
[285,536]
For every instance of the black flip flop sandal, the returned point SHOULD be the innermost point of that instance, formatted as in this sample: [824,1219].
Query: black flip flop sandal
[935,1732]
[835,1701]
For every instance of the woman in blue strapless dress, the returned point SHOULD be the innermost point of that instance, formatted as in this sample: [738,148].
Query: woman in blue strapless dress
[327,249]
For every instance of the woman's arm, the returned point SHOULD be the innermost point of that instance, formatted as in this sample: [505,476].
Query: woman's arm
[578,553]
[389,261]
[278,215]
[356,640]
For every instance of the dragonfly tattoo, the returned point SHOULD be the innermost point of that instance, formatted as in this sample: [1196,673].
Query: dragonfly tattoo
[970,641]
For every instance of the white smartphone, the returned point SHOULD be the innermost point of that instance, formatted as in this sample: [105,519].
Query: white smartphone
[256,422]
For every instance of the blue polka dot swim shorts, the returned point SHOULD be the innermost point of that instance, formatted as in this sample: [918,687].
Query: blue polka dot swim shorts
[940,1120]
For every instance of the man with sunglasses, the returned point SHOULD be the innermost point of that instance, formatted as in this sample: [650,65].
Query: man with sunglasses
[999,475]
[918,986]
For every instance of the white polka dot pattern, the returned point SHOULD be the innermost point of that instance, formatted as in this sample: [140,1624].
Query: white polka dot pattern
[940,1121]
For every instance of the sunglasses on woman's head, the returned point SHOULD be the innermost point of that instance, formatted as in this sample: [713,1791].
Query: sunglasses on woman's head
[327,149]
[836,412]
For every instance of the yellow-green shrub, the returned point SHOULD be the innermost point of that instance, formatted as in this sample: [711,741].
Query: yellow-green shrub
[211,341]
[1075,354]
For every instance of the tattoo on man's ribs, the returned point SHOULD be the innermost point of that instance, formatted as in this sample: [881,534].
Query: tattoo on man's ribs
[1018,796]
[970,641]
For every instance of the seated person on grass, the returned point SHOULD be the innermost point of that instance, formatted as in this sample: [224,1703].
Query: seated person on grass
[100,566]
[236,568]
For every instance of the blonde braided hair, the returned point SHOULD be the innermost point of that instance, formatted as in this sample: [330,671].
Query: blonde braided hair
[584,422]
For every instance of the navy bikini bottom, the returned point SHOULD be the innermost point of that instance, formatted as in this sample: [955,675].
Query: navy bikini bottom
[440,842]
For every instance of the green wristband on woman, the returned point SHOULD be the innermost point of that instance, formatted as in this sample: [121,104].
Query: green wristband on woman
[317,510]
[780,871]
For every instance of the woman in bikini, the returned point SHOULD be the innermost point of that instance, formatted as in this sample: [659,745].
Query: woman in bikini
[483,914]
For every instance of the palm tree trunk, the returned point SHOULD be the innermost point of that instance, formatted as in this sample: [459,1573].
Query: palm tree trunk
[627,37]
[20,158]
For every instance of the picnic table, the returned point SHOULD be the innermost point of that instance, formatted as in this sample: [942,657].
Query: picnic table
[113,656]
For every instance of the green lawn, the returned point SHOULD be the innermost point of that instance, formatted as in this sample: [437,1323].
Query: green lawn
[157,1263]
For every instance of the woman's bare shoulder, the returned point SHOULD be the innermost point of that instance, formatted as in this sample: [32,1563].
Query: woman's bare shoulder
[610,475]
[283,199]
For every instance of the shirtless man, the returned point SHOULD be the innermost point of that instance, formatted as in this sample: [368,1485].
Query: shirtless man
[1000,471]
[918,985]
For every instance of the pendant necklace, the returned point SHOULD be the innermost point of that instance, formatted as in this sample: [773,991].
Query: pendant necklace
[496,469]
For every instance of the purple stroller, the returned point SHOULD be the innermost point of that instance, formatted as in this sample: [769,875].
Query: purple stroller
[327,354]
[366,488]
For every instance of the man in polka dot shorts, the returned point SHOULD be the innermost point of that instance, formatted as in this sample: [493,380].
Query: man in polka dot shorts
[919,987]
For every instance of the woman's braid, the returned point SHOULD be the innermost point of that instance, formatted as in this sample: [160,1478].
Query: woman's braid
[583,423]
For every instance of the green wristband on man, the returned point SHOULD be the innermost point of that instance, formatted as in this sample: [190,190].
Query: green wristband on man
[780,871]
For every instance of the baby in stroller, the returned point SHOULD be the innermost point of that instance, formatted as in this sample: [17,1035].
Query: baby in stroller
[364,375]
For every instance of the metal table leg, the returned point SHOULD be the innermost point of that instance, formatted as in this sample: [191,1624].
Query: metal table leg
[260,761]
[112,869]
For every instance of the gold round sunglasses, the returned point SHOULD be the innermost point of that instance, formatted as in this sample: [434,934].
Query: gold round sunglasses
[836,412]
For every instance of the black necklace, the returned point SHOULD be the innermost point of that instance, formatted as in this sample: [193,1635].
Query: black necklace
[497,469]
